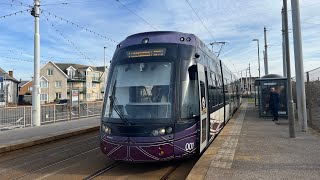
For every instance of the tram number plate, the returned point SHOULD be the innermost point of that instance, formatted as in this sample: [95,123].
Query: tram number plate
[189,146]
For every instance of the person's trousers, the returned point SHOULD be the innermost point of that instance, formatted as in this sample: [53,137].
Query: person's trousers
[275,114]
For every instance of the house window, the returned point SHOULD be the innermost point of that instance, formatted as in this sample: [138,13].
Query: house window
[58,84]
[93,85]
[43,97]
[71,73]
[50,72]
[95,77]
[89,84]
[30,89]
[58,95]
[44,83]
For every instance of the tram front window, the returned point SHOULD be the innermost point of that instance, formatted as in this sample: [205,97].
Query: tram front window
[139,91]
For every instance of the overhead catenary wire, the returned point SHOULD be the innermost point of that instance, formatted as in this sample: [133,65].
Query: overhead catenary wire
[59,32]
[15,13]
[137,15]
[21,3]
[70,2]
[12,4]
[16,59]
[77,25]
[201,21]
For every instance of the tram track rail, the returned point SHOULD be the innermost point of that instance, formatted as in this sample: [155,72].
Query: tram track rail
[101,171]
[171,170]
[47,149]
[117,163]
[39,159]
[57,163]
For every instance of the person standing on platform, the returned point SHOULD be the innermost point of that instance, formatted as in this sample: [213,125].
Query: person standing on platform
[274,103]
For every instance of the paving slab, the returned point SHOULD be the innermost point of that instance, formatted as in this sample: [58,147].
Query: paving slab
[253,148]
[25,137]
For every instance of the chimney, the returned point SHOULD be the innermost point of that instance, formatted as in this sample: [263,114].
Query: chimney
[11,74]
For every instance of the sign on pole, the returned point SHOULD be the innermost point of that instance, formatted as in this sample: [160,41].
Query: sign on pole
[75,97]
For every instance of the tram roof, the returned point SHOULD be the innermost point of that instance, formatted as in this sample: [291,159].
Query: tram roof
[160,37]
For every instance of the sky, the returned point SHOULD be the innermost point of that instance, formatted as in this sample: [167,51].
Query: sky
[65,27]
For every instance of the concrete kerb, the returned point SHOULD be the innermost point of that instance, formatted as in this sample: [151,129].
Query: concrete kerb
[46,139]
[200,169]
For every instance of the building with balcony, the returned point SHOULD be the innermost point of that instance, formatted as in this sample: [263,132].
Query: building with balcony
[58,79]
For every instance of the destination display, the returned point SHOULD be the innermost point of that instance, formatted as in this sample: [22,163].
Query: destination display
[146,53]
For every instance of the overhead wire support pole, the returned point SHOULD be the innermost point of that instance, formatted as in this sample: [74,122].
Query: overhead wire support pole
[36,77]
[292,133]
[298,56]
[250,83]
[258,55]
[104,64]
[266,69]
[283,46]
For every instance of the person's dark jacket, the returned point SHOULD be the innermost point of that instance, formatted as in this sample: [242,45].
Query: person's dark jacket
[274,101]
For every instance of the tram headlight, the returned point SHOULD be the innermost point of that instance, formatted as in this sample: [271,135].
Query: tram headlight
[105,129]
[155,132]
[169,130]
[162,131]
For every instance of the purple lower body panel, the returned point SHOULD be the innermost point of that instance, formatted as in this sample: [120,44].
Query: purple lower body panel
[143,149]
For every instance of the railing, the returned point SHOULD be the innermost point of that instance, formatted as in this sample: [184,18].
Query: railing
[77,78]
[312,88]
[81,89]
[19,117]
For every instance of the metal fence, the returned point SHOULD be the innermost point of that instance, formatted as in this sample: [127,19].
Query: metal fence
[312,87]
[18,117]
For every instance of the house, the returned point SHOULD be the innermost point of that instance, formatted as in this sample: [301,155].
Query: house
[8,88]
[58,79]
[25,87]
[25,92]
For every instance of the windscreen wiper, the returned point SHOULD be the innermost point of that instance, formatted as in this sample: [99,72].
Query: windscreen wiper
[115,106]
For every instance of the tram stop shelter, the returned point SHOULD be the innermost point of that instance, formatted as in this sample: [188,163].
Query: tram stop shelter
[264,85]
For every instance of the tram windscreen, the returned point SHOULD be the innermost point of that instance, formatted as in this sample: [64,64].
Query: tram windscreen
[140,91]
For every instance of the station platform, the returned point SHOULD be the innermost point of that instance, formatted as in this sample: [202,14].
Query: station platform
[254,148]
[25,137]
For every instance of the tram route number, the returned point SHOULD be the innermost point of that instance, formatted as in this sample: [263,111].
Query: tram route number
[189,146]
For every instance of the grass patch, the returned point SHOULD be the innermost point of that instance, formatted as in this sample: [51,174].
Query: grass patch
[250,100]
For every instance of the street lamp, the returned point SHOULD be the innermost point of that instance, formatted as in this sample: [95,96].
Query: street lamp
[258,55]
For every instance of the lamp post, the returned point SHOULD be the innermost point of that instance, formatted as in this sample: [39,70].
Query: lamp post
[258,55]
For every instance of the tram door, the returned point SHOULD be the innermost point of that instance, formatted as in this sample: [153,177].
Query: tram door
[204,122]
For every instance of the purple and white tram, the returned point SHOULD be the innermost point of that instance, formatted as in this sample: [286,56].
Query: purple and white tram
[167,97]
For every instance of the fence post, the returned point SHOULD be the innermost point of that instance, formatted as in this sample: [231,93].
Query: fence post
[87,109]
[308,100]
[31,116]
[78,104]
[54,113]
[70,104]
[24,116]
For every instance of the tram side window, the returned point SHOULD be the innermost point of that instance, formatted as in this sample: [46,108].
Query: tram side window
[219,90]
[211,87]
[190,94]
[226,90]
